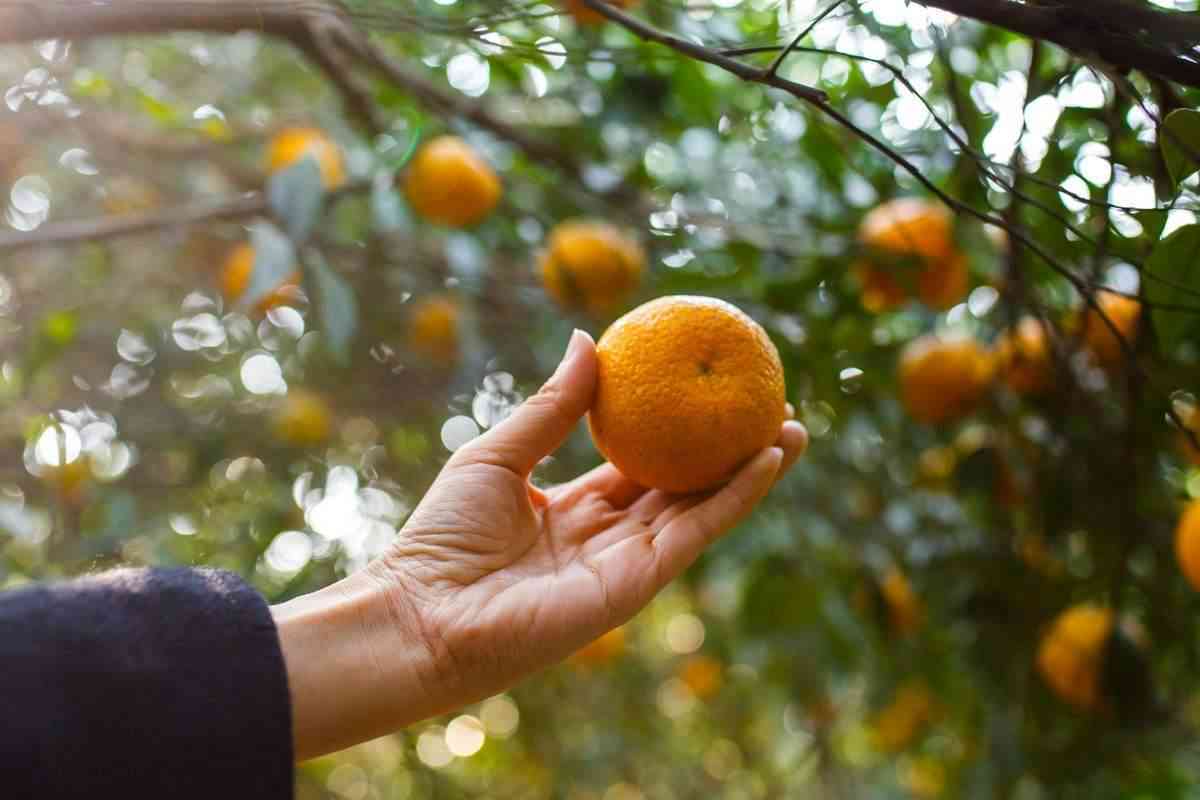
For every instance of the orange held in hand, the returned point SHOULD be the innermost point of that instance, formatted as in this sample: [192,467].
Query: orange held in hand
[293,144]
[433,329]
[586,16]
[1025,358]
[449,183]
[688,389]
[235,277]
[591,266]
[1071,655]
[943,379]
[910,250]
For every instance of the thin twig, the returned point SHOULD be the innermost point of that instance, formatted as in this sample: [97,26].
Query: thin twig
[702,53]
[778,61]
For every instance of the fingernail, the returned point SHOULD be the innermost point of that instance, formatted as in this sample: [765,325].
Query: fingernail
[776,456]
[574,348]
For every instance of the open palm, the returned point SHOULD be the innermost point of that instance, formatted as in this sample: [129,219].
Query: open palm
[505,578]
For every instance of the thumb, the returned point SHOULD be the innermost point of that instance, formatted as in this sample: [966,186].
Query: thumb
[542,423]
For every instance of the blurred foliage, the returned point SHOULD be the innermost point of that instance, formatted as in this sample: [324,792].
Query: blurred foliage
[873,631]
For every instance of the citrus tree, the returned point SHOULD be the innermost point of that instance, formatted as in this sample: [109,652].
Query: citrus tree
[264,265]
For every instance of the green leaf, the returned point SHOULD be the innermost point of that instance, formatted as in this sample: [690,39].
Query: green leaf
[1173,268]
[296,196]
[274,261]
[1179,138]
[337,308]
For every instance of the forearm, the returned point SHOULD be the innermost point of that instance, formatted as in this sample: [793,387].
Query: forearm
[355,670]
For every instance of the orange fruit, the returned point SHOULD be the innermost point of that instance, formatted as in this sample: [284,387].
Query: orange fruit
[902,720]
[1070,656]
[1190,417]
[433,329]
[1025,359]
[910,250]
[688,389]
[943,379]
[591,266]
[703,675]
[1099,338]
[292,144]
[586,16]
[904,607]
[600,651]
[235,277]
[1187,544]
[449,183]
[925,778]
[303,419]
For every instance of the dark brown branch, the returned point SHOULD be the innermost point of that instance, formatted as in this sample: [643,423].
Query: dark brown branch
[1104,28]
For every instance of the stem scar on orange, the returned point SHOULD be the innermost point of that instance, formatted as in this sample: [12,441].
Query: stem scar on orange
[689,388]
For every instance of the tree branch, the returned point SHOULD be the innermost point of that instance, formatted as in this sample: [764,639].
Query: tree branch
[251,204]
[1104,28]
[113,227]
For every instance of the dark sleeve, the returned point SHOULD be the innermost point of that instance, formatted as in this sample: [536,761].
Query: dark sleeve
[163,684]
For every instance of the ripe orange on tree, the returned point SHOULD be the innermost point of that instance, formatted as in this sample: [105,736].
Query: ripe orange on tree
[1025,359]
[601,651]
[901,721]
[303,419]
[689,388]
[703,675]
[586,16]
[1099,338]
[449,183]
[905,610]
[235,277]
[591,266]
[1187,544]
[943,379]
[910,250]
[1190,417]
[1070,656]
[433,329]
[292,144]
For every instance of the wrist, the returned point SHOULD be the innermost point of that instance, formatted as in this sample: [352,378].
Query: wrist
[356,668]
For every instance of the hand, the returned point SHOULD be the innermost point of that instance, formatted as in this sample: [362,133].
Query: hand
[492,578]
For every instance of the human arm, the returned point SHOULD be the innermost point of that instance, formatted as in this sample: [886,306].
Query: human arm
[492,579]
